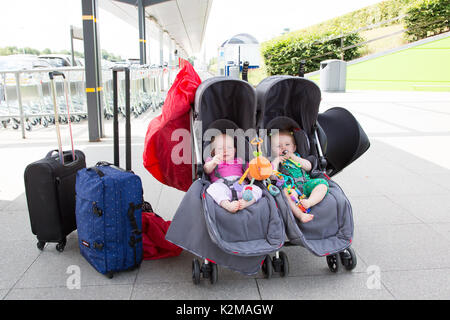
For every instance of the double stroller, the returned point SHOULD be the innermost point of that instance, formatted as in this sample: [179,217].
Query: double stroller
[244,241]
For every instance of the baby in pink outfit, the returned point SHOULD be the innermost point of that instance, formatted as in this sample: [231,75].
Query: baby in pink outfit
[229,168]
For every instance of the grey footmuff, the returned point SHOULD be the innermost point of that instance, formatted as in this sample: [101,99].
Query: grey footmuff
[237,241]
[330,231]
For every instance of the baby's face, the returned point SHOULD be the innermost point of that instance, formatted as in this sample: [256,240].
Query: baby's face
[224,145]
[283,142]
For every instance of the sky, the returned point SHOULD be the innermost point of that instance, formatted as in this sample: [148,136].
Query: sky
[46,23]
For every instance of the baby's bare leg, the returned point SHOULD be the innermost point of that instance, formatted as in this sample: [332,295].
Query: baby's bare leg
[244,204]
[298,213]
[317,195]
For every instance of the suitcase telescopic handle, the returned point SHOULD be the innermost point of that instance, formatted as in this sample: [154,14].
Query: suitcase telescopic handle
[127,117]
[50,154]
[51,75]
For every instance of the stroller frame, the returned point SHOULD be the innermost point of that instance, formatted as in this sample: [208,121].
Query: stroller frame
[340,252]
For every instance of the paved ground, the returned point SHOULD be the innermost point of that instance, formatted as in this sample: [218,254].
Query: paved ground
[398,190]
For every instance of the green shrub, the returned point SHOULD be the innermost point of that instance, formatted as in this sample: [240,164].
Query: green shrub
[283,56]
[427,18]
[376,13]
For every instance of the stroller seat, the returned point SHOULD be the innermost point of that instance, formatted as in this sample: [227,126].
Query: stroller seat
[255,230]
[292,103]
[331,230]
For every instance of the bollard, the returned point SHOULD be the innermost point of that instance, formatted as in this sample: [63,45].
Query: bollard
[301,69]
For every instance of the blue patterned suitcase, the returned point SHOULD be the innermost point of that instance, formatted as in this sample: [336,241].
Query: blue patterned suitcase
[109,218]
[109,206]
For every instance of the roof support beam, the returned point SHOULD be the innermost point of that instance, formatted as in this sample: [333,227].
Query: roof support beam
[93,69]
[142,37]
[145,3]
[152,2]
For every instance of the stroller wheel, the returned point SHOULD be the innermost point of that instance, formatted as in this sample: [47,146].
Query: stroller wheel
[284,264]
[195,271]
[267,267]
[214,274]
[348,259]
[333,262]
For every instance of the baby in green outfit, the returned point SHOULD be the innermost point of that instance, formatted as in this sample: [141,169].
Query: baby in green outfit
[283,144]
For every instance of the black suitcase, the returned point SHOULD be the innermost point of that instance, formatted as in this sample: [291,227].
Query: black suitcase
[50,191]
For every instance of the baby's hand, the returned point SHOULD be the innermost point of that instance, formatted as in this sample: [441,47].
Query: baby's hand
[296,158]
[285,156]
[217,159]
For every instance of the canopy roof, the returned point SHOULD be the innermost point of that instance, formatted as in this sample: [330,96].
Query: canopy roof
[242,38]
[184,20]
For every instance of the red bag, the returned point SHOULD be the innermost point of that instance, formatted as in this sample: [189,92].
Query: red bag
[155,245]
[158,147]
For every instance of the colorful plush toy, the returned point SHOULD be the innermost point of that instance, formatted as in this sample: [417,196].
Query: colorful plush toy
[296,198]
[284,181]
[260,169]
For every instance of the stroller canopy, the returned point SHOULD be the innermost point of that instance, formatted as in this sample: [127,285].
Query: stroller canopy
[225,98]
[293,97]
[346,140]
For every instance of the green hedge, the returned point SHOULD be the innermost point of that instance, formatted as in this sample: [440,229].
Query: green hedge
[283,56]
[427,18]
[376,13]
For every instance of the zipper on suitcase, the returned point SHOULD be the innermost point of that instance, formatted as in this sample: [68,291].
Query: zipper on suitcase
[103,225]
[124,233]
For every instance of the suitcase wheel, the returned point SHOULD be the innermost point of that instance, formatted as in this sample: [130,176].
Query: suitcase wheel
[40,245]
[61,245]
[109,275]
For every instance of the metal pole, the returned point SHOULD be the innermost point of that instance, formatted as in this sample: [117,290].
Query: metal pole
[127,121]
[116,119]
[92,69]
[69,90]
[98,69]
[239,59]
[71,46]
[19,101]
[161,55]
[142,37]
[6,94]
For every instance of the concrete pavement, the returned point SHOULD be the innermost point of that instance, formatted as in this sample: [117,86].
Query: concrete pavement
[399,192]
